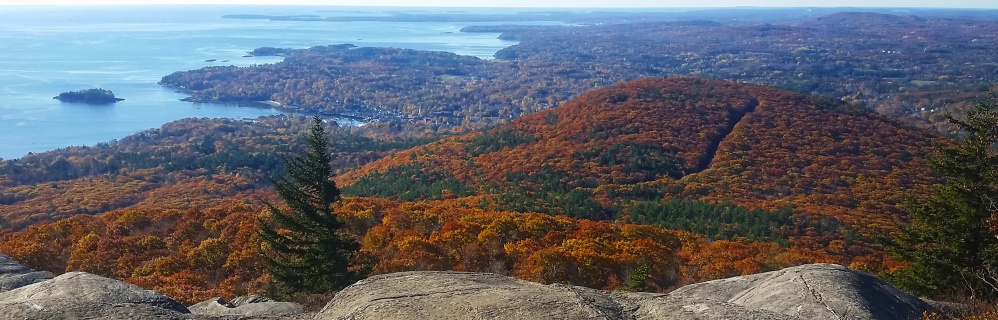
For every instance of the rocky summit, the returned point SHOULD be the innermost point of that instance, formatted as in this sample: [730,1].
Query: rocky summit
[816,291]
[27,294]
[13,275]
[80,295]
[249,306]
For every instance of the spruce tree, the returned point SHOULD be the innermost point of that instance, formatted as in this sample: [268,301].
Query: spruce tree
[638,280]
[950,245]
[303,246]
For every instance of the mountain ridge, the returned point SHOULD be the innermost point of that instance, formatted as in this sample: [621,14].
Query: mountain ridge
[687,137]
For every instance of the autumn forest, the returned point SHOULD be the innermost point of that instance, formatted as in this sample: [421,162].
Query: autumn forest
[683,151]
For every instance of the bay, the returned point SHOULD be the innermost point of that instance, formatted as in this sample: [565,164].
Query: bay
[46,50]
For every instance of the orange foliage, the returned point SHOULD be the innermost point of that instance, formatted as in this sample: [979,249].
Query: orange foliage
[668,115]
[722,259]
[773,148]
[189,255]
[532,246]
[185,164]
[824,158]
[197,254]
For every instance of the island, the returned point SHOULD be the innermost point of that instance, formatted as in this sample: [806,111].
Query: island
[270,51]
[91,96]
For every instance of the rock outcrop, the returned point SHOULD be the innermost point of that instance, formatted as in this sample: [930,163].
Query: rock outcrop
[818,291]
[27,294]
[814,291]
[79,295]
[13,275]
[458,295]
[243,307]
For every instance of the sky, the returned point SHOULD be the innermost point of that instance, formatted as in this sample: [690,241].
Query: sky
[547,3]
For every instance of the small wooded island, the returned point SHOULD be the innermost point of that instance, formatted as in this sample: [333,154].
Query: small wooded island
[92,96]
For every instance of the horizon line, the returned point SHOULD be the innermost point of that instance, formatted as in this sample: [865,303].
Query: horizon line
[481,7]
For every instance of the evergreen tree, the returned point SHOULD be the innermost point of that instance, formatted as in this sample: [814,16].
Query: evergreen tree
[302,245]
[638,280]
[949,244]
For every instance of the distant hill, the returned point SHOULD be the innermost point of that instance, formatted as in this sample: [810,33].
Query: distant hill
[668,138]
[860,19]
[639,131]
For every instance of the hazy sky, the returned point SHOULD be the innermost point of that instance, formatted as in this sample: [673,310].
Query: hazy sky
[549,3]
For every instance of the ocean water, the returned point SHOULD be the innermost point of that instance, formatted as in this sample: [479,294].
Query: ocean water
[47,50]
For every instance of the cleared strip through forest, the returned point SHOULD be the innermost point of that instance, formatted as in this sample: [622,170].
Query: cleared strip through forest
[736,116]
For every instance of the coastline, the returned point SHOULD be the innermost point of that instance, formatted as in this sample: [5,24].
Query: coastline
[162,41]
[341,119]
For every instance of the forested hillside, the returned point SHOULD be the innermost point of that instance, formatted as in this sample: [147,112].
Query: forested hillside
[635,132]
[193,255]
[654,139]
[191,163]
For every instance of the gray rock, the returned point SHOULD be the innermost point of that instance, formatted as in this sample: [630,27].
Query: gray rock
[214,305]
[244,300]
[819,291]
[696,308]
[13,275]
[815,291]
[459,295]
[79,295]
[244,307]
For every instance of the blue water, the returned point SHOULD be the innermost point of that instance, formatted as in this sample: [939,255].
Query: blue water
[48,50]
